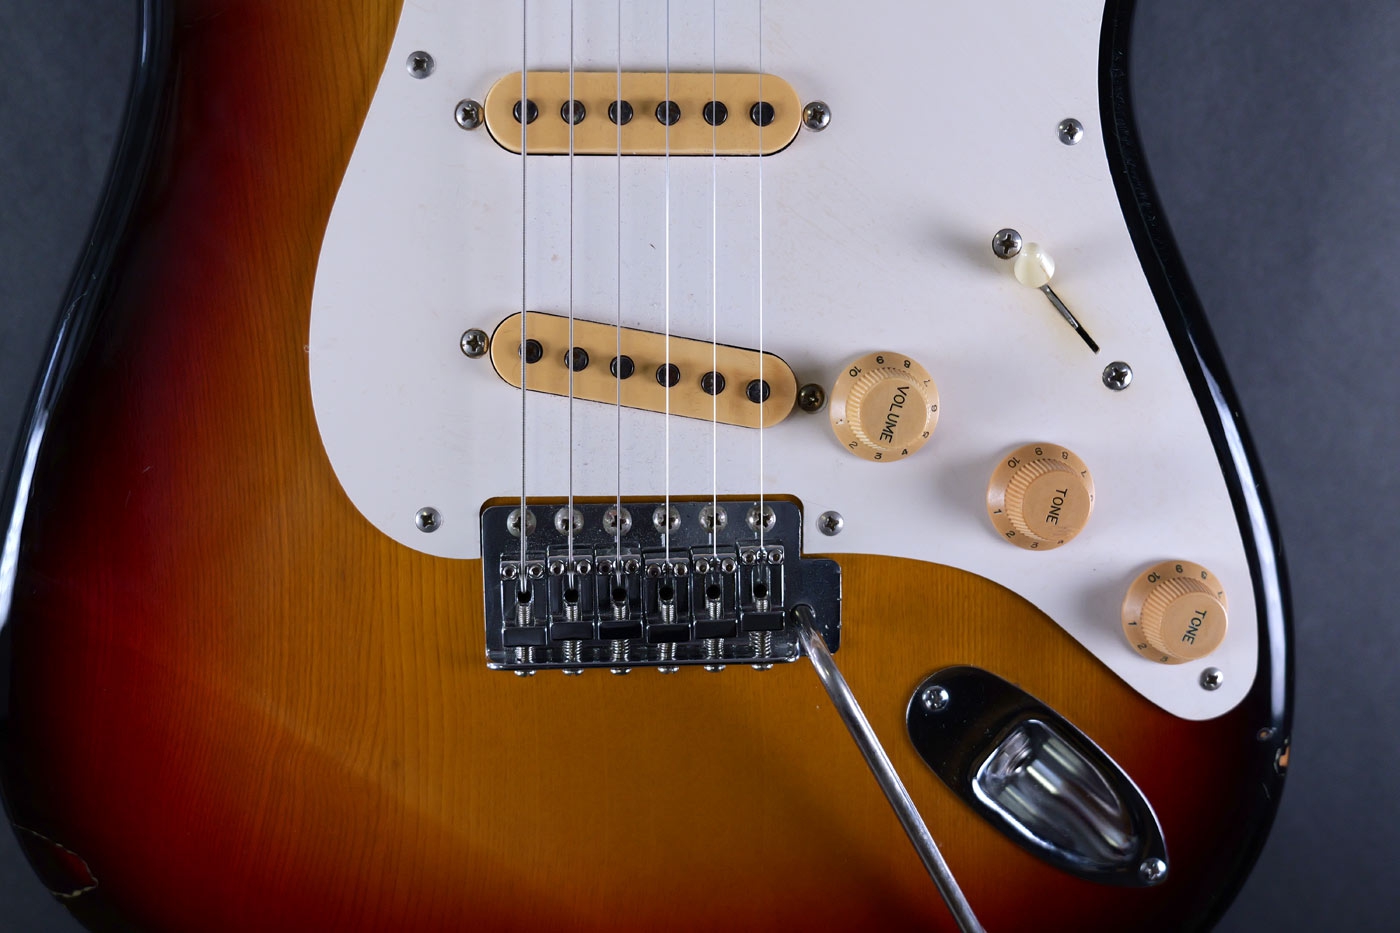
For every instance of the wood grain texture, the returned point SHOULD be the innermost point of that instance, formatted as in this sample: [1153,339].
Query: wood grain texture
[244,708]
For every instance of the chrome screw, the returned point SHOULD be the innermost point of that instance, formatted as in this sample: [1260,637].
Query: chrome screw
[470,114]
[1071,131]
[762,645]
[1152,871]
[1265,734]
[666,520]
[666,654]
[567,519]
[811,398]
[713,518]
[765,519]
[513,523]
[475,343]
[934,698]
[610,521]
[1118,376]
[428,520]
[816,116]
[1007,243]
[421,64]
[620,655]
[1212,678]
[831,523]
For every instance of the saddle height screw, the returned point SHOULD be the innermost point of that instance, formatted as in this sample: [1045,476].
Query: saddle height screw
[934,698]
[811,398]
[421,64]
[1118,376]
[816,116]
[428,520]
[470,114]
[1071,131]
[475,343]
[831,523]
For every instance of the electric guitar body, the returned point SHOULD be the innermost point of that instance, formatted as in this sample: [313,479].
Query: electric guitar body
[263,586]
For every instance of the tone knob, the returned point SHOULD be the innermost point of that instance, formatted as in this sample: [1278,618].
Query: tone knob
[1040,496]
[884,407]
[1175,612]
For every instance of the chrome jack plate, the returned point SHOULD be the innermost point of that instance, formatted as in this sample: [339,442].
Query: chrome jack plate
[698,584]
[1037,778]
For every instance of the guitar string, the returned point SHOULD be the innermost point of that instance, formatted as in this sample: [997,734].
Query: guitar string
[761,497]
[569,515]
[524,249]
[714,276]
[617,527]
[666,515]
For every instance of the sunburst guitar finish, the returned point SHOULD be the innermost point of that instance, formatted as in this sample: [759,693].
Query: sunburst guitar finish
[234,703]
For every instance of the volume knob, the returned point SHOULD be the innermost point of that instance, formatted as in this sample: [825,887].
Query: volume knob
[1175,612]
[884,407]
[1040,496]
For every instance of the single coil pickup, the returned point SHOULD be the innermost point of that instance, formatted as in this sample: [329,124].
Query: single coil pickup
[652,113]
[706,381]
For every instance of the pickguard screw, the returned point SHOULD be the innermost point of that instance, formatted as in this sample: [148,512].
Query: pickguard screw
[1071,131]
[769,518]
[428,520]
[831,523]
[1118,376]
[1265,734]
[475,343]
[1152,871]
[470,114]
[816,116]
[934,698]
[421,64]
[1212,678]
[1007,243]
[811,398]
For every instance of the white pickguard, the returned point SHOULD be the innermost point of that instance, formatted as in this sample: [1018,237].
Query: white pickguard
[876,235]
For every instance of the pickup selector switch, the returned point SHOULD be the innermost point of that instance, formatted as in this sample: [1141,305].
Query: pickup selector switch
[1175,612]
[884,407]
[1040,496]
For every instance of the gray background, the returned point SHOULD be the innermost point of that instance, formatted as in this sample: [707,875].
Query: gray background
[1270,126]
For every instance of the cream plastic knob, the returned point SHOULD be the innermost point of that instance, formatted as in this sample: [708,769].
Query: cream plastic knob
[1175,612]
[884,407]
[1033,266]
[1040,496]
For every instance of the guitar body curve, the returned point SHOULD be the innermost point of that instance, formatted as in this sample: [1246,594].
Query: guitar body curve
[234,703]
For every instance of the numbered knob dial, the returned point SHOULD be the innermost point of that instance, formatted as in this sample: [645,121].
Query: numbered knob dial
[1175,612]
[1040,496]
[884,407]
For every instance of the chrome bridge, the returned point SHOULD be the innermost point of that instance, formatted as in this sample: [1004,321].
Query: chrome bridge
[700,584]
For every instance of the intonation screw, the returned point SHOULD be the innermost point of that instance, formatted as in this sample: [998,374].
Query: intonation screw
[713,518]
[831,523]
[934,698]
[1071,131]
[811,398]
[421,64]
[761,642]
[1212,678]
[475,343]
[816,116]
[565,518]
[470,114]
[1118,376]
[1006,244]
[428,520]
[765,519]
[1152,871]
[621,654]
